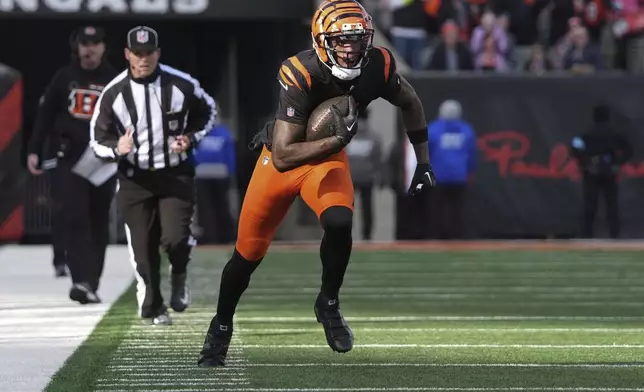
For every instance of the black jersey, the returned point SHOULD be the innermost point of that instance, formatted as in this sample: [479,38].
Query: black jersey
[67,106]
[305,83]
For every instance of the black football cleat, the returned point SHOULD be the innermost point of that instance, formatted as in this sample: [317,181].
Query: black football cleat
[215,346]
[181,296]
[338,334]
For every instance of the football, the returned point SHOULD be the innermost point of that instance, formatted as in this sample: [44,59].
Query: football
[320,123]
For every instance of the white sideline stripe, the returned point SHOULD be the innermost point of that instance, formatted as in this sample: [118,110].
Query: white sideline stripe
[374,389]
[39,326]
[445,318]
[412,345]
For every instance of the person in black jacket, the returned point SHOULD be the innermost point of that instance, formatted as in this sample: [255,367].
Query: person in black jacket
[65,112]
[149,119]
[600,152]
[451,54]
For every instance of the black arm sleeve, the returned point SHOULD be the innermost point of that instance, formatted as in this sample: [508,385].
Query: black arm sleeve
[104,136]
[202,114]
[50,104]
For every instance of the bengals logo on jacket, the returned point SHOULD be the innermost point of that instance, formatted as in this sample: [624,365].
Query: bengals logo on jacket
[82,101]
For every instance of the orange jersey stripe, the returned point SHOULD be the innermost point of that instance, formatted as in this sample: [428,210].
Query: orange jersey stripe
[290,75]
[385,54]
[294,60]
[285,78]
[337,14]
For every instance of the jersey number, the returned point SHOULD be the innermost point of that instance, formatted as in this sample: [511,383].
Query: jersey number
[82,102]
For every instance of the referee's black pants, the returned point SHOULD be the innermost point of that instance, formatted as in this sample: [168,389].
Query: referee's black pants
[157,207]
[85,215]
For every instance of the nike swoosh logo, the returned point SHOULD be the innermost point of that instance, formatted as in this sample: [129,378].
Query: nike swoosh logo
[429,178]
[283,85]
[350,127]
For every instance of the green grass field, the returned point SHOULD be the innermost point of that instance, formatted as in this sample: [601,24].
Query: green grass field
[423,321]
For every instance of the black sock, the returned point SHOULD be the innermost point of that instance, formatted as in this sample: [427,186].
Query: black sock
[234,281]
[335,251]
[179,269]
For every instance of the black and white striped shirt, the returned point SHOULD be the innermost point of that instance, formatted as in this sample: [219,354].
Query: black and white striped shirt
[166,104]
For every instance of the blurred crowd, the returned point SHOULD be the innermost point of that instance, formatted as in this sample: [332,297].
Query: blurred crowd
[514,35]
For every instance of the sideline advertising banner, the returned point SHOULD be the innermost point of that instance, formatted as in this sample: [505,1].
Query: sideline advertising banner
[526,184]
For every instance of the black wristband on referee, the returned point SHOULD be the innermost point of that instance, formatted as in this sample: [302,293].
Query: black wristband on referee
[417,136]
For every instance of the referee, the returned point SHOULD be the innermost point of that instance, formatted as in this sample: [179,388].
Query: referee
[149,119]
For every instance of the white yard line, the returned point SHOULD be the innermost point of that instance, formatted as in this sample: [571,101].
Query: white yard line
[449,365]
[261,319]
[159,364]
[134,369]
[39,326]
[447,330]
[548,289]
[188,334]
[412,345]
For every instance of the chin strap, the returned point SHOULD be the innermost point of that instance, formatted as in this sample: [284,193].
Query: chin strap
[345,73]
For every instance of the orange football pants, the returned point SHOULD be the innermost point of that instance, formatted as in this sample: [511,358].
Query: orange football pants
[270,194]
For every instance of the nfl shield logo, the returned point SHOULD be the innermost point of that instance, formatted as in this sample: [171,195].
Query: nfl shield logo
[174,125]
[290,112]
[142,36]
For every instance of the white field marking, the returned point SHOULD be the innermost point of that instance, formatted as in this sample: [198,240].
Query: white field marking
[84,319]
[452,289]
[499,299]
[175,362]
[453,389]
[413,345]
[470,365]
[233,372]
[183,337]
[538,269]
[134,379]
[232,367]
[151,383]
[146,378]
[490,330]
[173,365]
[262,319]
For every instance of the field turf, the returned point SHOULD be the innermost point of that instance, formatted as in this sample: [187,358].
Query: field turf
[447,320]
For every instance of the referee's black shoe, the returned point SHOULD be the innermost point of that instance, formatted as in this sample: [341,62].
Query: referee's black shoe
[215,346]
[83,294]
[181,296]
[338,334]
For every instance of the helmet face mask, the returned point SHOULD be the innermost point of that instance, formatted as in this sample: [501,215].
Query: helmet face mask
[348,50]
[342,35]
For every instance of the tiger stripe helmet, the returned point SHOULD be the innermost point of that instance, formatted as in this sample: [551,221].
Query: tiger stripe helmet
[342,33]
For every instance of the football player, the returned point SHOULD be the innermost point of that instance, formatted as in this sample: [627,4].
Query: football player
[343,61]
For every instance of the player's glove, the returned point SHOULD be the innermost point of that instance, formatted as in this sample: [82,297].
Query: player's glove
[422,180]
[345,127]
